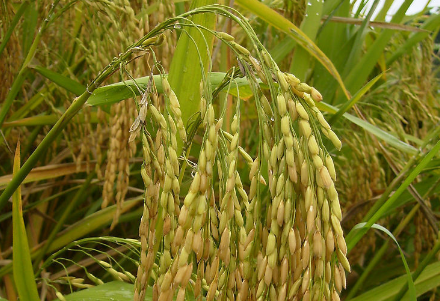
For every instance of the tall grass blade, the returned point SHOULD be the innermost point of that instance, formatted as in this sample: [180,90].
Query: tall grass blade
[356,49]
[354,236]
[360,72]
[48,172]
[273,18]
[61,80]
[45,120]
[428,280]
[432,24]
[349,104]
[379,133]
[21,10]
[115,290]
[119,91]
[191,59]
[420,270]
[375,24]
[334,40]
[29,26]
[310,25]
[21,259]
[383,12]
[412,289]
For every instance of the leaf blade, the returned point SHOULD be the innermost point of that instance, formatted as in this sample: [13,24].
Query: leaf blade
[21,259]
[278,21]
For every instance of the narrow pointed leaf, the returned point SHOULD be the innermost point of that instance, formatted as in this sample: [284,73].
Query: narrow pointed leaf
[273,18]
[349,104]
[190,61]
[23,7]
[360,72]
[428,280]
[61,80]
[379,133]
[21,258]
[412,289]
[354,236]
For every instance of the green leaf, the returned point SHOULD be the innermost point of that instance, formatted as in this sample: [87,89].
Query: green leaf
[349,104]
[46,120]
[21,258]
[273,18]
[359,38]
[354,236]
[21,10]
[379,133]
[431,24]
[428,280]
[190,63]
[115,290]
[310,25]
[383,12]
[61,80]
[336,41]
[119,91]
[412,289]
[360,72]
[29,25]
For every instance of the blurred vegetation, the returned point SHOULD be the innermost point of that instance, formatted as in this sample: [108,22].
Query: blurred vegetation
[74,222]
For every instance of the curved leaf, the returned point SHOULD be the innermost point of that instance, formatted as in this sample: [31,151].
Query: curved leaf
[349,104]
[354,236]
[21,259]
[379,133]
[115,290]
[273,18]
[412,289]
[428,280]
[61,80]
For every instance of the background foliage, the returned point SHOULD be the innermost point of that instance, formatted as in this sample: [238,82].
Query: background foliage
[379,80]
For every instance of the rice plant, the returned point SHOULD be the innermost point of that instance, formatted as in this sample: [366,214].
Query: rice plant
[211,151]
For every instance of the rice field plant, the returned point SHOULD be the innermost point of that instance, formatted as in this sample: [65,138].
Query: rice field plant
[211,150]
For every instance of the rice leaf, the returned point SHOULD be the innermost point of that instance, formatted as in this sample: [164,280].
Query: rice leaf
[46,120]
[119,91]
[191,60]
[61,80]
[360,72]
[115,290]
[384,10]
[349,104]
[386,25]
[359,38]
[83,227]
[379,133]
[354,236]
[428,280]
[412,289]
[21,259]
[48,172]
[29,26]
[21,10]
[273,18]
[310,25]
